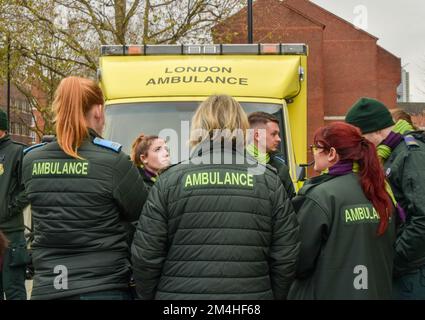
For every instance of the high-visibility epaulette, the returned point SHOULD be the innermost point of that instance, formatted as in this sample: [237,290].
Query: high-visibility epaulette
[115,146]
[410,141]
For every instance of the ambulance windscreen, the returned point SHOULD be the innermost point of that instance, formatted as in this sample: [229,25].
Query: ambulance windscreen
[169,120]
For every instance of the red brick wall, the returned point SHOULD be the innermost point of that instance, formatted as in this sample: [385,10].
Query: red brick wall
[336,27]
[388,74]
[354,65]
[274,22]
[350,72]
[17,115]
[344,63]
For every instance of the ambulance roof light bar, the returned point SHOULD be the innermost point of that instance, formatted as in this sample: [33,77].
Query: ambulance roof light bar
[205,49]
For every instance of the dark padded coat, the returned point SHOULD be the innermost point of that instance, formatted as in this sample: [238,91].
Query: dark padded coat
[341,257]
[81,210]
[405,170]
[214,231]
[12,194]
[277,161]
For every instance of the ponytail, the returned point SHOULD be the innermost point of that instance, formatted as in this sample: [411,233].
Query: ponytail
[135,150]
[350,145]
[141,146]
[73,100]
[372,180]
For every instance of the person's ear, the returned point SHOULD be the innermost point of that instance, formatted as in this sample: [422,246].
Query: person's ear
[256,135]
[333,155]
[144,159]
[97,111]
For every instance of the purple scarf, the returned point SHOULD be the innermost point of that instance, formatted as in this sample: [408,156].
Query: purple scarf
[341,168]
[392,140]
[149,174]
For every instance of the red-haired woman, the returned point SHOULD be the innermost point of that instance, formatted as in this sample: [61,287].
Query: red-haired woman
[346,221]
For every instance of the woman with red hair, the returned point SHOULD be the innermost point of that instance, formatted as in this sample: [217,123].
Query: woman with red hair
[346,221]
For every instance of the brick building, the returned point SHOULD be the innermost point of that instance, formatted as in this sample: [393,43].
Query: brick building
[21,119]
[344,62]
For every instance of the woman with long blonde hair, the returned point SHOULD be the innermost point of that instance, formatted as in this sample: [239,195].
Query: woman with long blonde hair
[84,192]
[211,228]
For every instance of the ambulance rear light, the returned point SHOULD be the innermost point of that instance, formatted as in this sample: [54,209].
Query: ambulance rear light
[205,49]
[134,50]
[273,48]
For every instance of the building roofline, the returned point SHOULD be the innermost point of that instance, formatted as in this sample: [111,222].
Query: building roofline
[245,8]
[386,51]
[421,104]
[286,4]
[342,20]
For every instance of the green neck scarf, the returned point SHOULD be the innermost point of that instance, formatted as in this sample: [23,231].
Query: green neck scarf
[390,193]
[261,157]
[401,127]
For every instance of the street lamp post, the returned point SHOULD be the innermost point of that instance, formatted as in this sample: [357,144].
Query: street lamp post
[250,22]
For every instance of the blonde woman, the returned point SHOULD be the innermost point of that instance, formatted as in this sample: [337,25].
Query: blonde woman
[211,229]
[150,155]
[83,192]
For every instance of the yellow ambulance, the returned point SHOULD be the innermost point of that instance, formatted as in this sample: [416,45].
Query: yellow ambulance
[155,89]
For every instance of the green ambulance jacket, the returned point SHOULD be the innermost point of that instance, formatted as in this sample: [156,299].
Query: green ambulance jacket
[82,210]
[341,256]
[277,161]
[405,170]
[216,231]
[12,193]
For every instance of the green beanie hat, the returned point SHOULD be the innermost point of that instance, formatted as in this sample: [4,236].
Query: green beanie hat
[3,120]
[369,115]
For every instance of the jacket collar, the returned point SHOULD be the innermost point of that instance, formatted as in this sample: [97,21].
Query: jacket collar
[315,181]
[209,147]
[93,134]
[5,141]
